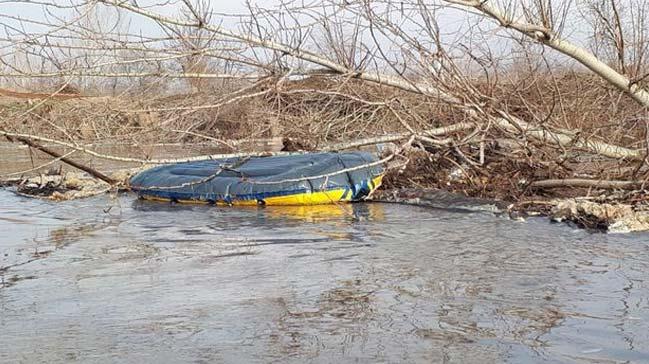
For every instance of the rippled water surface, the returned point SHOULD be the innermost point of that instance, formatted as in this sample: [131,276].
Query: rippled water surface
[115,279]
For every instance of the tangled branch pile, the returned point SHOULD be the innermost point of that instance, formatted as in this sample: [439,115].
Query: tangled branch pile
[489,99]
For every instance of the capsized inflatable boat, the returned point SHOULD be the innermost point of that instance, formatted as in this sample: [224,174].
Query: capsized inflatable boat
[304,179]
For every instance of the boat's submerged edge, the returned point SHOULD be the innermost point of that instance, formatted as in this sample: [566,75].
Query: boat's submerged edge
[282,198]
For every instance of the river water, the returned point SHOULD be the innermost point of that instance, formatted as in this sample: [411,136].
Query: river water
[116,279]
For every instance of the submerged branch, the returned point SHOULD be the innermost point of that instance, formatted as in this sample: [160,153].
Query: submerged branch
[588,183]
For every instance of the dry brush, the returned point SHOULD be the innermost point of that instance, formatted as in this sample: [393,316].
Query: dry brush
[500,102]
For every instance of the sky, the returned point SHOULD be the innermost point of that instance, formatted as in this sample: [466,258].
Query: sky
[225,11]
[452,22]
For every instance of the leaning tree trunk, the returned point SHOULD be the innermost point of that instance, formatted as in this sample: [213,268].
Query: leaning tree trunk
[547,37]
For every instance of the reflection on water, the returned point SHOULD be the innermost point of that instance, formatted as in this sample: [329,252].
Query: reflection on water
[144,281]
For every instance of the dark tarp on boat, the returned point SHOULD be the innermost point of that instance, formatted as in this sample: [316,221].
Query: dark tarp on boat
[262,179]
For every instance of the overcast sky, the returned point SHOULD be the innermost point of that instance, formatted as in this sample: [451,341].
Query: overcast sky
[451,22]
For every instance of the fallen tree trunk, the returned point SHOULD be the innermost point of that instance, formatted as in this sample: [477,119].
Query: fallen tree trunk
[565,138]
[424,136]
[548,37]
[93,172]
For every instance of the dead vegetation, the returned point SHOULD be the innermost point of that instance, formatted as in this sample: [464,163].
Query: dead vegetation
[313,113]
[515,123]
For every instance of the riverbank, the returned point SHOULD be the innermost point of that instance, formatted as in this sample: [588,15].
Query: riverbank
[565,169]
[600,213]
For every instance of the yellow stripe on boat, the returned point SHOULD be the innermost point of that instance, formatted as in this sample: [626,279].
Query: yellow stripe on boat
[308,198]
[321,178]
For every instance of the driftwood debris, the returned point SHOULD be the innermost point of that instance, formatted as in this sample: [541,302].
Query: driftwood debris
[613,217]
[506,119]
[93,172]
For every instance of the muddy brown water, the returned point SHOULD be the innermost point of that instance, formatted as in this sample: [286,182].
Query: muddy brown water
[116,279]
